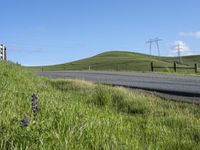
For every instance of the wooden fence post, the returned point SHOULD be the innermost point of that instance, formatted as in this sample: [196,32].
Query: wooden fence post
[152,66]
[175,66]
[196,68]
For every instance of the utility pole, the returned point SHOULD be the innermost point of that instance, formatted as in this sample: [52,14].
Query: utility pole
[179,48]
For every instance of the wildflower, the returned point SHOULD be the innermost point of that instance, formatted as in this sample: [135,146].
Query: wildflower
[34,104]
[25,122]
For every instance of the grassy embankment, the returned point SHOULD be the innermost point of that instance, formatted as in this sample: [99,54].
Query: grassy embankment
[123,61]
[81,115]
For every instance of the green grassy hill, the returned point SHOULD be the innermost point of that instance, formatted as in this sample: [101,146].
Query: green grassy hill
[186,60]
[82,115]
[120,61]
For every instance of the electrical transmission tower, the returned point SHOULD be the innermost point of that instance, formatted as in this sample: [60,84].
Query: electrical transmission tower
[150,45]
[179,48]
[156,41]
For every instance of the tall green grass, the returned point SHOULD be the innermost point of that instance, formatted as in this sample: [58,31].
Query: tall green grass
[82,115]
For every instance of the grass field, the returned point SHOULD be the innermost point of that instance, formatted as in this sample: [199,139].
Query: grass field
[123,61]
[187,60]
[81,115]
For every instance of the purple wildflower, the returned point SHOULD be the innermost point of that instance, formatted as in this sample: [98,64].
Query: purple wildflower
[25,122]
[34,104]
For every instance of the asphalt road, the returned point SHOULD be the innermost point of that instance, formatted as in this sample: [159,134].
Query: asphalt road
[186,88]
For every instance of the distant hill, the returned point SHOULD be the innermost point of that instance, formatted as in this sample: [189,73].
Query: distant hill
[120,61]
[186,60]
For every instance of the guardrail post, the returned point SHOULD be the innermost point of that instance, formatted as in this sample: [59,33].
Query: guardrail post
[174,66]
[196,68]
[152,66]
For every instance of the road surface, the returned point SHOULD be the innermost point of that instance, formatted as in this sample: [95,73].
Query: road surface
[186,88]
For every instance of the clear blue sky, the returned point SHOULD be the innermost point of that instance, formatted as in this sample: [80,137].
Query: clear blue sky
[42,32]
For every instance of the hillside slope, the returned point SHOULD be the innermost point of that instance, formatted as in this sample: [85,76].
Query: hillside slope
[120,61]
[113,61]
[186,60]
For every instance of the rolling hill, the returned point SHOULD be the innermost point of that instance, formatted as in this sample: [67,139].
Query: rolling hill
[120,61]
[186,60]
